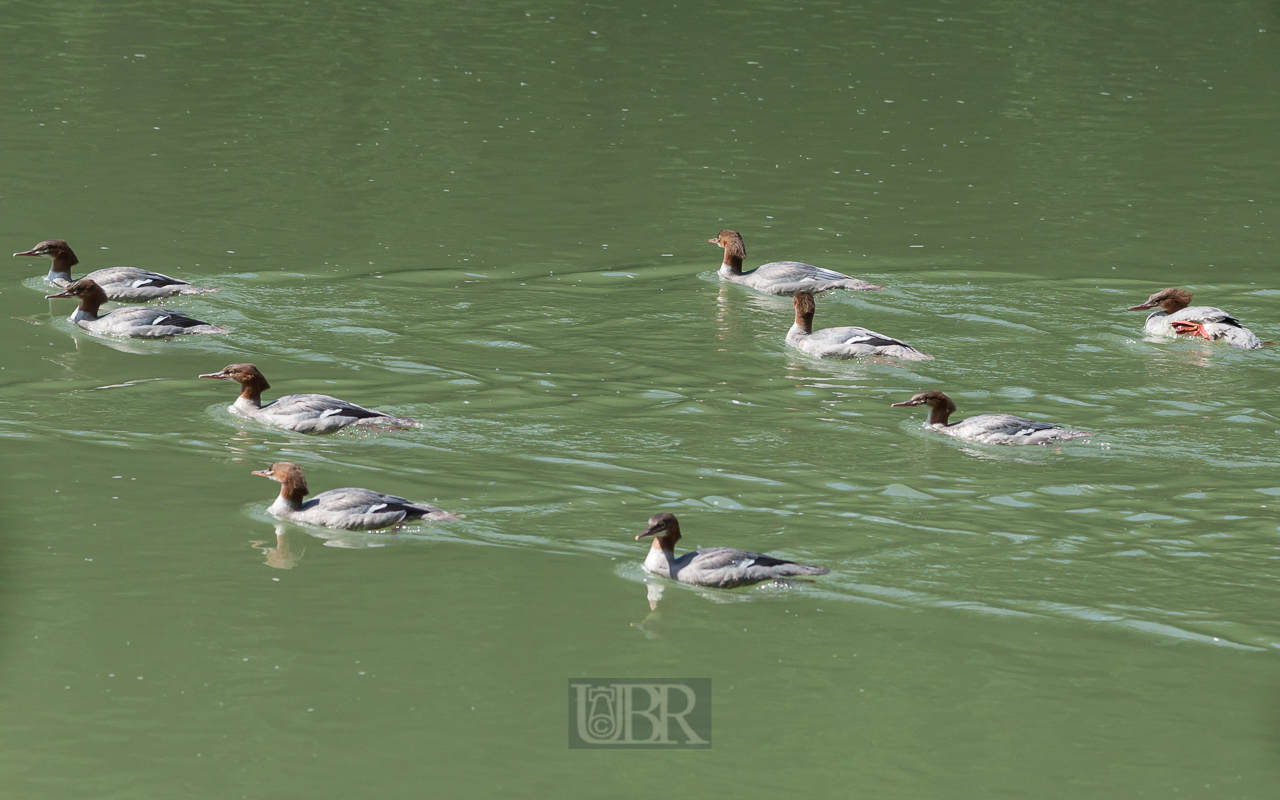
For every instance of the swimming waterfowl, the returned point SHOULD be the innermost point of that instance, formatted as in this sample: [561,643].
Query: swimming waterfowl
[304,413]
[780,277]
[848,342]
[348,509]
[987,428]
[138,323]
[722,567]
[1177,316]
[122,284]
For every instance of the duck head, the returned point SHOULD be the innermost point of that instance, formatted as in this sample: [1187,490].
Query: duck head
[664,529]
[293,485]
[90,294]
[63,258]
[734,249]
[940,406]
[252,382]
[1171,300]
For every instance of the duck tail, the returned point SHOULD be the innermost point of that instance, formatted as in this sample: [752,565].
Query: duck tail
[915,355]
[806,569]
[387,423]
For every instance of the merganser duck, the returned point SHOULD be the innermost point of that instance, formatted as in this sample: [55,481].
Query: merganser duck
[122,284]
[721,567]
[1177,316]
[304,413]
[138,323]
[848,342]
[780,277]
[987,428]
[349,509]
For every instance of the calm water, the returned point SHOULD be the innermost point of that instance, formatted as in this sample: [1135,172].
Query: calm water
[494,220]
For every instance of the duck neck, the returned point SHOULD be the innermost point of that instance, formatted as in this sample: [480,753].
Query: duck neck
[732,263]
[250,394]
[1172,306]
[291,494]
[284,504]
[89,305]
[60,269]
[803,324]
[938,415]
[661,555]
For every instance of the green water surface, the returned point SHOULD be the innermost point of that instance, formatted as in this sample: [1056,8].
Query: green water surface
[493,218]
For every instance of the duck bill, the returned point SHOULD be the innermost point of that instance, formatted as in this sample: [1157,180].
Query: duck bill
[32,253]
[710,241]
[907,403]
[1142,307]
[215,376]
[655,530]
[50,296]
[263,473]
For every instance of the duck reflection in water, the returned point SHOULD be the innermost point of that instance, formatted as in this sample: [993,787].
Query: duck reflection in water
[655,594]
[737,317]
[647,624]
[281,556]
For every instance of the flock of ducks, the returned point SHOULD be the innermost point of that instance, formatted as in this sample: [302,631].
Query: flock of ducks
[723,567]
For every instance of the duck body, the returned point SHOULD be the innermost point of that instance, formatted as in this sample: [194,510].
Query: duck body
[304,413]
[1176,317]
[845,342]
[988,428]
[347,509]
[723,567]
[1005,429]
[720,567]
[121,284]
[355,510]
[780,277]
[789,277]
[131,284]
[313,413]
[144,323]
[135,323]
[1206,322]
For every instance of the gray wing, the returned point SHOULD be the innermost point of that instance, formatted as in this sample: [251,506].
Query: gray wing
[151,323]
[1008,429]
[365,509]
[1205,314]
[853,342]
[727,567]
[1001,424]
[133,277]
[854,335]
[318,405]
[173,319]
[789,277]
[367,500]
[797,271]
